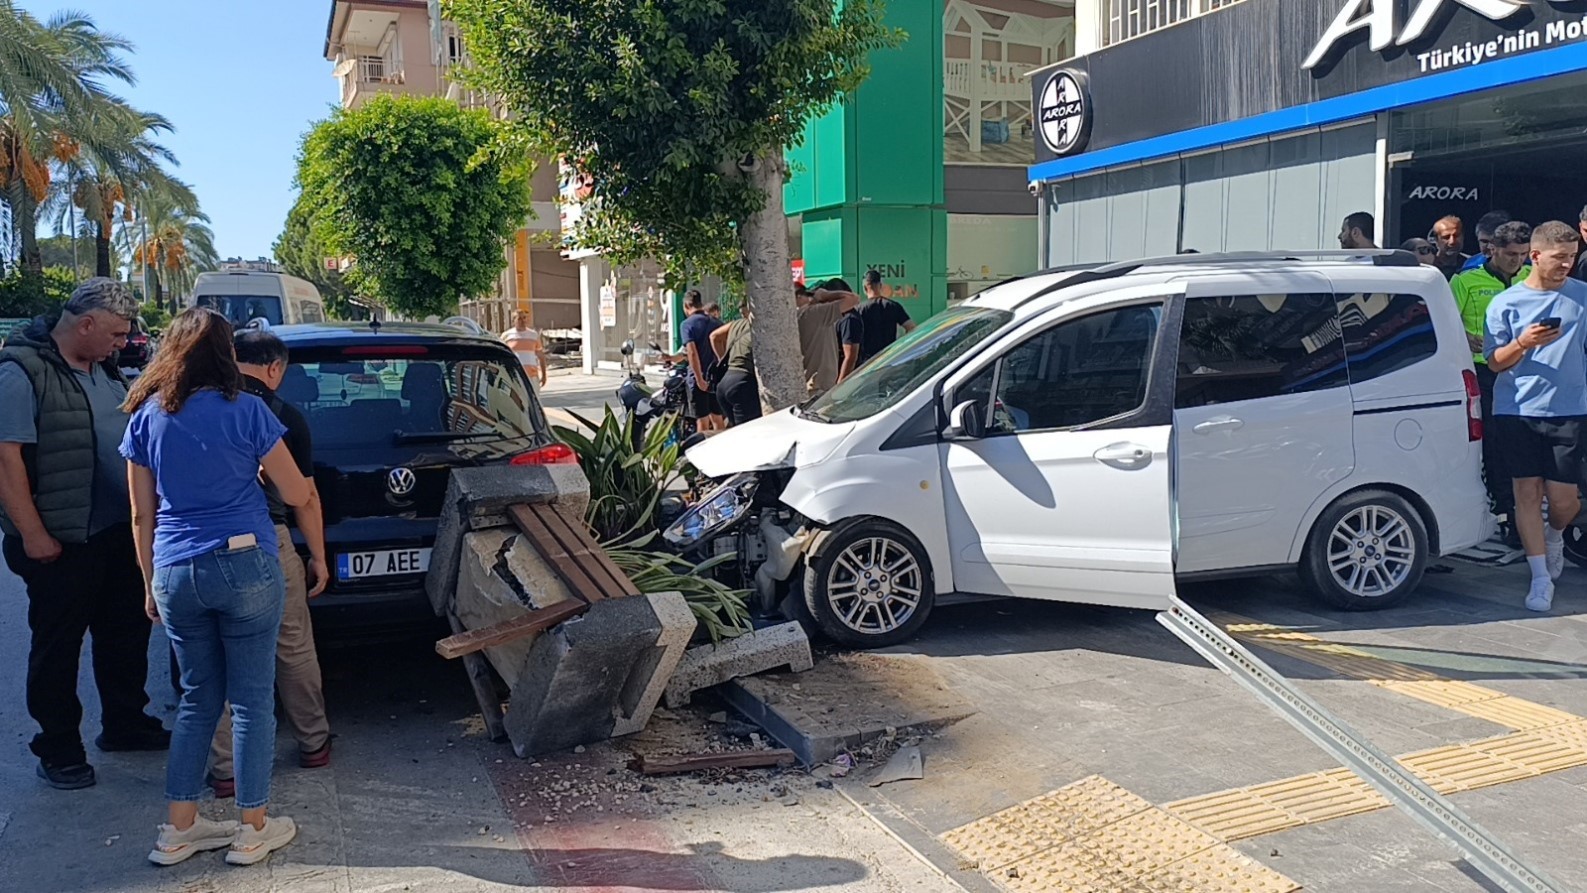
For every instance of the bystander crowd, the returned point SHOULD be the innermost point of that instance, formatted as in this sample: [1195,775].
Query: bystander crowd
[1537,343]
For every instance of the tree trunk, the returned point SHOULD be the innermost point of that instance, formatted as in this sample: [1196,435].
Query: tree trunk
[102,250]
[158,295]
[26,211]
[770,292]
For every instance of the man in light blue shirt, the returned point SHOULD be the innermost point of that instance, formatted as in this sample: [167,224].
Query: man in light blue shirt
[1536,341]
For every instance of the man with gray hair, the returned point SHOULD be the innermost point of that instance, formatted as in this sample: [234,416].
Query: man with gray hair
[67,519]
[1537,344]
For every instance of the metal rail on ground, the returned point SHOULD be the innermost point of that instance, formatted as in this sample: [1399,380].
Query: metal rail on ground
[1435,812]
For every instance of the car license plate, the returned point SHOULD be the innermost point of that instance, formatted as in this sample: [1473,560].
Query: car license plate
[381,563]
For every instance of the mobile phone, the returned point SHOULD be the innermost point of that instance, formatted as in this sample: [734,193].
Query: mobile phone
[1550,322]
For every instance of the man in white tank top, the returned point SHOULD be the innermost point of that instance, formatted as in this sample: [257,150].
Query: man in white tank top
[524,340]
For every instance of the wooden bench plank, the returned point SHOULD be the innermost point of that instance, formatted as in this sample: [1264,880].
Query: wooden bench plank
[484,686]
[538,620]
[572,571]
[577,540]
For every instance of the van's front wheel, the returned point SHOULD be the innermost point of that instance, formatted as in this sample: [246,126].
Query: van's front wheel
[870,586]
[1367,551]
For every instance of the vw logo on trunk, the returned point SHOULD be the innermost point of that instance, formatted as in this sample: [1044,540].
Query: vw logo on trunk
[401,481]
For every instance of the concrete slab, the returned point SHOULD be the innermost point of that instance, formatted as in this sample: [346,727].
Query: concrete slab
[598,673]
[783,645]
[476,499]
[499,578]
[846,701]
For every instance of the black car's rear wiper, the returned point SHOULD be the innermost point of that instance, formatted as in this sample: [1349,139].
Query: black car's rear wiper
[444,436]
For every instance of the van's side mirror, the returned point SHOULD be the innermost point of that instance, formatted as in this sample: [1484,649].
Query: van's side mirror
[967,421]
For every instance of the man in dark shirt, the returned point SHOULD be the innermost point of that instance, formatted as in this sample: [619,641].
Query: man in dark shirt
[696,336]
[883,317]
[262,359]
[1580,272]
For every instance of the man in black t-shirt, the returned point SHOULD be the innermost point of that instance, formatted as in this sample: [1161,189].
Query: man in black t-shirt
[262,359]
[882,316]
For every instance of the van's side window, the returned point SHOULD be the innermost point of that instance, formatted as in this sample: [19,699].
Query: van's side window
[1075,373]
[1246,347]
[1385,333]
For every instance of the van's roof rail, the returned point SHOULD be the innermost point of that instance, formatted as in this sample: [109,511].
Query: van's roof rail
[1380,257]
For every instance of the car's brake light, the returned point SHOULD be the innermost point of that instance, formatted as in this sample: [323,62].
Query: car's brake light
[1473,407]
[551,454]
[390,350]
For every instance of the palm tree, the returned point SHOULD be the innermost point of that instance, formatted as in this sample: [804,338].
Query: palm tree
[53,104]
[172,240]
[105,182]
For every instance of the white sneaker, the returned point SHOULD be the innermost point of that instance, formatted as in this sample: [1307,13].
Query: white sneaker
[175,846]
[255,846]
[1541,597]
[1554,550]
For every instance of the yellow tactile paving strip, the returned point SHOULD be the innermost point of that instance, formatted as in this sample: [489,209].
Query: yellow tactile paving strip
[1095,837]
[1463,697]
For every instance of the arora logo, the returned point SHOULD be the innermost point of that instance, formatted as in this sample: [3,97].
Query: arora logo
[1064,113]
[1377,17]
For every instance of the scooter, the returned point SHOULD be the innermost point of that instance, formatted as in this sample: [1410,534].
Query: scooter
[644,405]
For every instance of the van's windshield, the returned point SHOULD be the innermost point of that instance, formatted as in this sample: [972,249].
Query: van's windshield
[242,309]
[912,361]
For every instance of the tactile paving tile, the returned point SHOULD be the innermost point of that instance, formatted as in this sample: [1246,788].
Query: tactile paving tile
[1066,869]
[1463,767]
[1516,713]
[1538,750]
[1573,734]
[1234,815]
[1221,869]
[1044,822]
[1324,795]
[1146,842]
[1442,692]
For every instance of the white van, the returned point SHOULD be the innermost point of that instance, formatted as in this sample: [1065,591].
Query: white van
[246,295]
[1092,435]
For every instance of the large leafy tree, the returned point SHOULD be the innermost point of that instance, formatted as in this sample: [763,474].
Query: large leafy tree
[678,112]
[401,184]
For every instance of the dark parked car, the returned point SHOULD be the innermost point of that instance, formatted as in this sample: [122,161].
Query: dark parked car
[140,347]
[393,409]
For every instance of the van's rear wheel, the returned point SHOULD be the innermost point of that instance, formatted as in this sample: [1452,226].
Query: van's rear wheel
[870,586]
[1367,551]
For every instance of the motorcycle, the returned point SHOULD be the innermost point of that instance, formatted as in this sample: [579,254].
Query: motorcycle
[644,405]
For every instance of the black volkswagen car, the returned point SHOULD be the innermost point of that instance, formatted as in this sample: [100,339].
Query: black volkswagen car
[393,409]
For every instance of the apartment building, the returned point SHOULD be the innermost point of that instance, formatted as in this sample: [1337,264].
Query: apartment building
[403,47]
[1228,125]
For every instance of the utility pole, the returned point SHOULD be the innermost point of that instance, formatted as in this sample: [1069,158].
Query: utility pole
[71,220]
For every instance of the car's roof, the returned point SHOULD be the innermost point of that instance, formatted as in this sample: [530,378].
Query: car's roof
[1053,286]
[342,334]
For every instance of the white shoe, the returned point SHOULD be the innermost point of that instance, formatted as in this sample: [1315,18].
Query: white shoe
[175,846]
[1541,598]
[253,846]
[1554,550]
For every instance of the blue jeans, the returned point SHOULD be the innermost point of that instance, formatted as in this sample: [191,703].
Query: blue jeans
[222,612]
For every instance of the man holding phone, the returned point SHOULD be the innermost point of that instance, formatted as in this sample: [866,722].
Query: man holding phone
[1537,344]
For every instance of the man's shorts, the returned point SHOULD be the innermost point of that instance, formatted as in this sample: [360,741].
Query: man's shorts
[1548,448]
[702,404]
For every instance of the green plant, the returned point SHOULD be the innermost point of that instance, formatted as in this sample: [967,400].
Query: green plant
[627,482]
[21,296]
[720,609]
[401,186]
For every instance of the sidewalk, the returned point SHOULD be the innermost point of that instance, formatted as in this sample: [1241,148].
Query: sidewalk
[416,799]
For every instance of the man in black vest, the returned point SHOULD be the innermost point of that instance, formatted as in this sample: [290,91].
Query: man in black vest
[68,533]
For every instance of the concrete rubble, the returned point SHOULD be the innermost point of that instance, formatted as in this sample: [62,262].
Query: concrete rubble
[600,674]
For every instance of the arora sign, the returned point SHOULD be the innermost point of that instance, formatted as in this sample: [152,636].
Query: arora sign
[1377,17]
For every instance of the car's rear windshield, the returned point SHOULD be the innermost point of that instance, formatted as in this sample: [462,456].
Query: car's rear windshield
[369,397]
[242,309]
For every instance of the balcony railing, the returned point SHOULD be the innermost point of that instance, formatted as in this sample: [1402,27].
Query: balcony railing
[1124,19]
[364,73]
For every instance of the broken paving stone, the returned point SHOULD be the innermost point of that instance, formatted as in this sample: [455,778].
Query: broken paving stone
[719,717]
[906,764]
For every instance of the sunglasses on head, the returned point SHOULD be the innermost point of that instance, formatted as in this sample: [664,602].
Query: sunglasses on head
[1426,249]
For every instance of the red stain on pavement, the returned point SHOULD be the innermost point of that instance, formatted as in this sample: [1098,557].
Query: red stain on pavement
[618,850]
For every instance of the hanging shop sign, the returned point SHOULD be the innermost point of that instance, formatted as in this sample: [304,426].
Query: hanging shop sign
[1065,112]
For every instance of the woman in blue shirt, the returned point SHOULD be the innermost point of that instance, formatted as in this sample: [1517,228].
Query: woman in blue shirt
[195,445]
